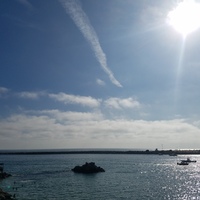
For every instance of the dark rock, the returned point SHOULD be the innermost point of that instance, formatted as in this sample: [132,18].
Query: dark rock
[88,168]
[4,175]
[5,195]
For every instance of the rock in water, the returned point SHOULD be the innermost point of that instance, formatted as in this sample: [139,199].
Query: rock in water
[88,168]
[4,175]
[5,195]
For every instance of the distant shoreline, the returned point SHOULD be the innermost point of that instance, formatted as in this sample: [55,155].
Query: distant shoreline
[146,152]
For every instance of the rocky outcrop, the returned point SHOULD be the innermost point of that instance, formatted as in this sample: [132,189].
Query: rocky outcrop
[4,175]
[5,195]
[88,168]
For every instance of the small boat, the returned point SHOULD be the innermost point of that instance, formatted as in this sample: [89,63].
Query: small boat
[188,160]
[182,163]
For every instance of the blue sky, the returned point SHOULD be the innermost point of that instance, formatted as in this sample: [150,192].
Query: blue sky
[97,74]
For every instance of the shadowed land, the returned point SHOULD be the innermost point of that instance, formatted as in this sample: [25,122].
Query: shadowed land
[4,195]
[150,152]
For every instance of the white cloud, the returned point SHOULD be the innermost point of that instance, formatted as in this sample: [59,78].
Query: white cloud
[154,13]
[55,129]
[76,99]
[81,20]
[65,117]
[67,129]
[100,82]
[3,90]
[118,103]
[196,123]
[29,131]
[30,95]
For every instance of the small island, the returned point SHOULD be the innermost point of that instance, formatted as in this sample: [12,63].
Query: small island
[88,168]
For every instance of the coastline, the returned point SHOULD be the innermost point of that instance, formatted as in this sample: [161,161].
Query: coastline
[146,152]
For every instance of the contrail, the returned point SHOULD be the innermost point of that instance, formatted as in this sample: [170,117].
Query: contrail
[81,20]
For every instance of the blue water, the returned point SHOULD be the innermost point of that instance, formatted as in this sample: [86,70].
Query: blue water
[136,177]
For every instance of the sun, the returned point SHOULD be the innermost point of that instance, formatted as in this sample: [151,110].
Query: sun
[185,18]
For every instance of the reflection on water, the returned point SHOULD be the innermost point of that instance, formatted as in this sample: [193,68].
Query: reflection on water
[126,177]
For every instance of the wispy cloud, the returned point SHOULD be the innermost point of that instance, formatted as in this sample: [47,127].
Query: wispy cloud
[118,103]
[76,99]
[3,90]
[81,20]
[86,101]
[30,95]
[100,82]
[26,3]
[154,13]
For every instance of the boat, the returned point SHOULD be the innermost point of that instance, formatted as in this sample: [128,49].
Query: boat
[183,163]
[188,160]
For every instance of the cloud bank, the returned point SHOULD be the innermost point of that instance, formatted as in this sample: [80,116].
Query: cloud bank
[90,127]
[54,128]
[81,20]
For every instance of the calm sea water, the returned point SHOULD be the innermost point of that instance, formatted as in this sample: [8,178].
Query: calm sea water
[137,177]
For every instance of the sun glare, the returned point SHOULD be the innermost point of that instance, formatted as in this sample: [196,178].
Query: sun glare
[185,18]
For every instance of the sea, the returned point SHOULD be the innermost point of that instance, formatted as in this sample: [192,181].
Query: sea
[126,176]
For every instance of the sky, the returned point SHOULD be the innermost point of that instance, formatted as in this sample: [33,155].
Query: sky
[98,74]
